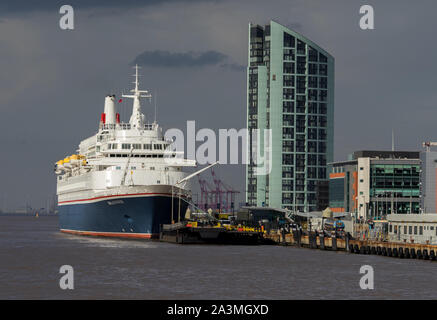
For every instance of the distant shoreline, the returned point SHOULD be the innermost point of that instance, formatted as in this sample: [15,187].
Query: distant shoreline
[28,214]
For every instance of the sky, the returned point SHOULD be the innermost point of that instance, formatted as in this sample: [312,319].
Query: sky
[194,56]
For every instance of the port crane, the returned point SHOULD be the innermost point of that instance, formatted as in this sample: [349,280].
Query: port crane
[207,194]
[220,197]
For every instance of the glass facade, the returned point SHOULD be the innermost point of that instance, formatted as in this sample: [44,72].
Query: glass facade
[375,184]
[336,193]
[394,189]
[290,87]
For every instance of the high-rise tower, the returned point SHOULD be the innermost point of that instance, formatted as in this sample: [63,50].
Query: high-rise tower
[290,90]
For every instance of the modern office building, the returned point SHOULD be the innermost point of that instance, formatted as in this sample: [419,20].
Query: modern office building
[374,184]
[428,182]
[290,90]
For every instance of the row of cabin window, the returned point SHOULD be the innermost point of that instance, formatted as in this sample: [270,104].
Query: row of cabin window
[409,229]
[118,155]
[127,146]
[134,168]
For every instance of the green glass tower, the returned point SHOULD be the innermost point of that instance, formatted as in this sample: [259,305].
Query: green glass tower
[290,90]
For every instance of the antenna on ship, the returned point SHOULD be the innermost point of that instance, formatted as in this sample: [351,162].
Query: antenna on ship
[137,118]
[156,98]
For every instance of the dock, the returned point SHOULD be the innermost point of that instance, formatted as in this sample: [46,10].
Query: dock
[401,250]
[191,233]
[313,240]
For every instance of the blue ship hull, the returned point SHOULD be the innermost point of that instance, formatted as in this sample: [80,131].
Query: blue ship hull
[130,217]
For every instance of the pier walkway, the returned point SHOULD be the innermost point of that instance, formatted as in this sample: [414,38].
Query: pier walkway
[313,240]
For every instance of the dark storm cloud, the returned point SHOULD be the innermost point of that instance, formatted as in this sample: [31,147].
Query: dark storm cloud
[9,7]
[233,67]
[294,26]
[159,58]
[384,78]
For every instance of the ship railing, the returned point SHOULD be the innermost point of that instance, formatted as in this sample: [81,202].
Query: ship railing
[126,126]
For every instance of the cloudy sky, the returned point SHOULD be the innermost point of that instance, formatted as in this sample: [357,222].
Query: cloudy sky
[194,53]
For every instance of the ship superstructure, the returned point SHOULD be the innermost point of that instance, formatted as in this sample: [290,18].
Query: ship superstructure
[123,181]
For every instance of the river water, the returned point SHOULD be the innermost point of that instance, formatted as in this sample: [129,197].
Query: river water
[32,250]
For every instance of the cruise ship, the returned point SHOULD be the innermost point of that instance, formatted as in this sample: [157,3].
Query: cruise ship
[125,180]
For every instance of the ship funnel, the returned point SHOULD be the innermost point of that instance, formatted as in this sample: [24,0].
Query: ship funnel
[110,116]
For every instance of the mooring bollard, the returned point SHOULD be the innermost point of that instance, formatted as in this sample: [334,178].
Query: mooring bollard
[334,243]
[425,254]
[346,241]
[322,241]
[356,249]
[312,238]
[413,253]
[432,255]
[389,252]
[297,237]
[401,253]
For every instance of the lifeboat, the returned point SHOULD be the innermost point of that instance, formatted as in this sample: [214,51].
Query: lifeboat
[59,167]
[67,163]
[75,160]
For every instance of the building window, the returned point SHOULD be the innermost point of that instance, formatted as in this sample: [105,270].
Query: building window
[300,47]
[322,58]
[323,82]
[420,230]
[415,229]
[312,54]
[410,230]
[323,69]
[288,40]
[405,229]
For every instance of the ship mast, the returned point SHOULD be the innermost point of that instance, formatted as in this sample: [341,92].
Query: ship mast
[137,118]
